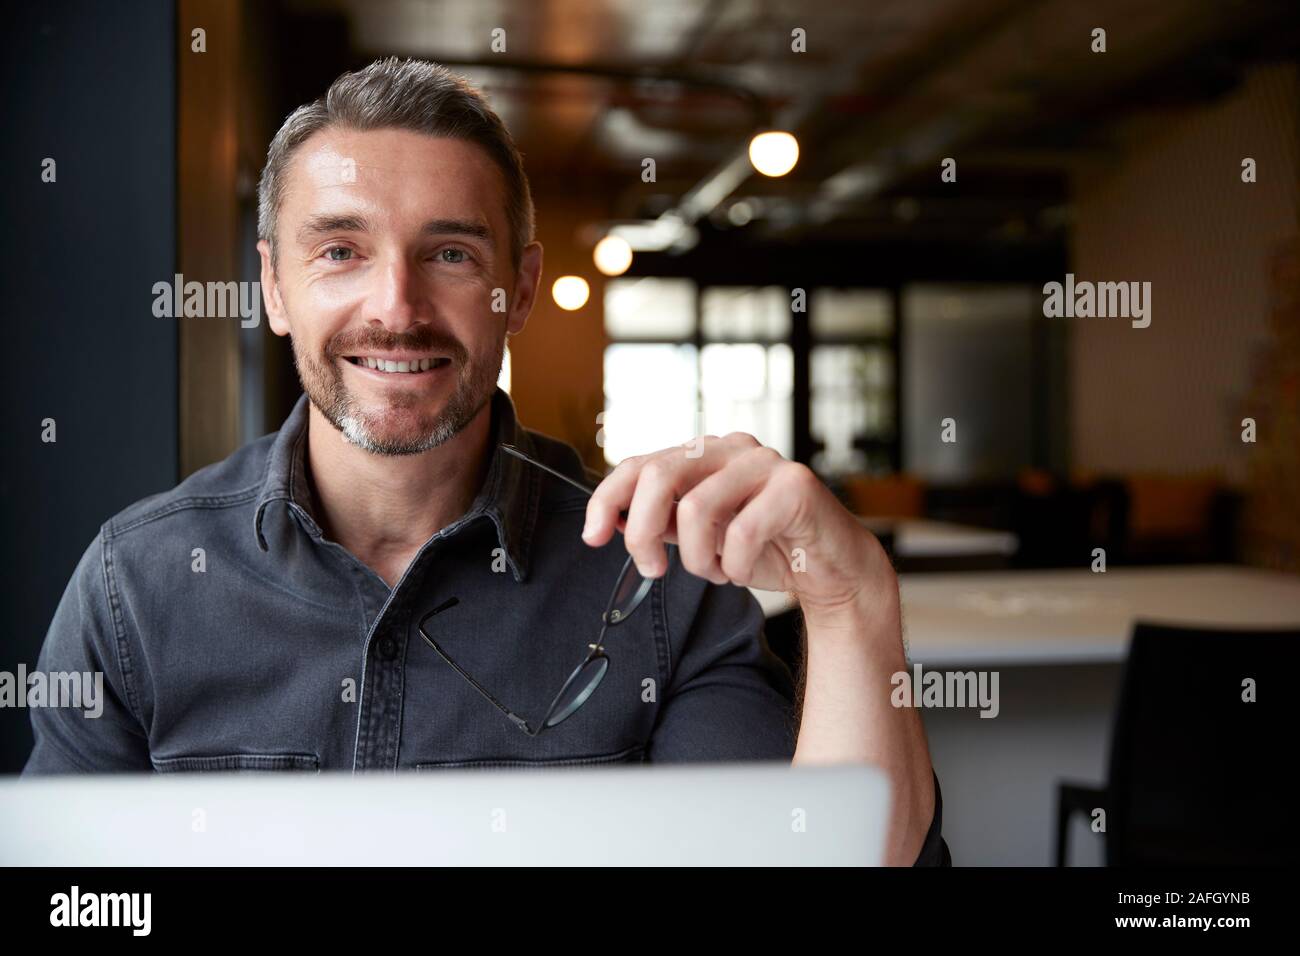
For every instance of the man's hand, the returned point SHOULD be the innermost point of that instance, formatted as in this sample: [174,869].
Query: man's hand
[740,513]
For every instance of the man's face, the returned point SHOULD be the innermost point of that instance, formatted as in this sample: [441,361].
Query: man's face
[390,244]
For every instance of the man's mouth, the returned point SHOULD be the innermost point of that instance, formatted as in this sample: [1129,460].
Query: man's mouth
[408,365]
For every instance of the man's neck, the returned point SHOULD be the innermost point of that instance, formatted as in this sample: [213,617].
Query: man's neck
[383,508]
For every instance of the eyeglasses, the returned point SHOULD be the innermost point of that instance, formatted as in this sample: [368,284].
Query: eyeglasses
[629,591]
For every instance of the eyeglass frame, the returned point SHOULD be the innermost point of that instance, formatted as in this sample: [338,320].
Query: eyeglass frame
[610,617]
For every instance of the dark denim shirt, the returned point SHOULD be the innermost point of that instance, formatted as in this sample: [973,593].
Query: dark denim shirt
[234,635]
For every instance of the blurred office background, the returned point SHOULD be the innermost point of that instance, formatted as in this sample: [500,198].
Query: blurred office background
[918,299]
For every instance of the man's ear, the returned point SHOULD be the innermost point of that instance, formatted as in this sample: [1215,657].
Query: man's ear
[275,313]
[527,277]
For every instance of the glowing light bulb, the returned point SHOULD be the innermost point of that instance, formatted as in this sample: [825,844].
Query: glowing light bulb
[570,292]
[774,153]
[613,255]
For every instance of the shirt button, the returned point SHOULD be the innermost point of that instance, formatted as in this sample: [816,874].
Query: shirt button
[387,648]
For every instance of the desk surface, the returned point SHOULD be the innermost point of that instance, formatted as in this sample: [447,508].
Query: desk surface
[1064,617]
[923,538]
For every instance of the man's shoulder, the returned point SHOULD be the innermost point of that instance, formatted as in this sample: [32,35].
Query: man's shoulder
[235,481]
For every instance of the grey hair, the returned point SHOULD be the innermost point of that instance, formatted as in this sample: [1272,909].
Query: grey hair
[401,94]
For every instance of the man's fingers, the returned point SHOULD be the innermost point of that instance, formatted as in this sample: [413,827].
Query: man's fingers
[651,490]
[649,514]
[763,518]
[615,493]
[611,497]
[705,510]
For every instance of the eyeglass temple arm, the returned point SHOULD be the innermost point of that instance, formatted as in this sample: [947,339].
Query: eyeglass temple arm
[513,717]
[512,450]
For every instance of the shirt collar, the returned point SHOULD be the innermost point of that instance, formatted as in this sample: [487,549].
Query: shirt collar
[508,498]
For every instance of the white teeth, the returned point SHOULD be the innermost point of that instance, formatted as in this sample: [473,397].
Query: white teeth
[384,365]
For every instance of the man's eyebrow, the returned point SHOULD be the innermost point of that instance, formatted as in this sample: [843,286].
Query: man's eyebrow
[458,227]
[322,224]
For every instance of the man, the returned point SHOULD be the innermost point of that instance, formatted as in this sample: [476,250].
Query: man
[381,585]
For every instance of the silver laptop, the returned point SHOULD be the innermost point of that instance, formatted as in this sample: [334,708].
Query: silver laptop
[731,814]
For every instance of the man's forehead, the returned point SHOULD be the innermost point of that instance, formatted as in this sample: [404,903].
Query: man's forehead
[383,167]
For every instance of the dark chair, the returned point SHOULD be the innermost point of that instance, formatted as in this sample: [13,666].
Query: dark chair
[1053,527]
[1197,775]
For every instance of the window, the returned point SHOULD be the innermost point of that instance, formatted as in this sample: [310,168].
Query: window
[650,308]
[746,365]
[749,388]
[740,313]
[684,361]
[651,366]
[669,377]
[852,381]
[852,407]
[650,391]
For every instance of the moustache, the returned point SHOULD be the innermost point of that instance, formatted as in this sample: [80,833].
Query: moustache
[422,339]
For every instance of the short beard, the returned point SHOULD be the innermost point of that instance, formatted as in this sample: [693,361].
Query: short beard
[322,380]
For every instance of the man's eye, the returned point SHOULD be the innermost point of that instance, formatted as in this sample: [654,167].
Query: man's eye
[453,255]
[338,253]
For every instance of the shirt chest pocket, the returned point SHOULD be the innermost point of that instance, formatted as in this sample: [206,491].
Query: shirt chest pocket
[237,763]
[454,716]
[628,755]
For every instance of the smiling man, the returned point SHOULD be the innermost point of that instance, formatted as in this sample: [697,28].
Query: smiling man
[403,577]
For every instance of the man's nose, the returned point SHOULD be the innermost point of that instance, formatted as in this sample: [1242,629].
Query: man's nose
[400,299]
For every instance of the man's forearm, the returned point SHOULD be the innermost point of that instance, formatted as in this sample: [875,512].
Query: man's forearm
[742,513]
[847,716]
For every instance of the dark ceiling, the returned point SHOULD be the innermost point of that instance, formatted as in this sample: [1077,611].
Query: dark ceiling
[885,90]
